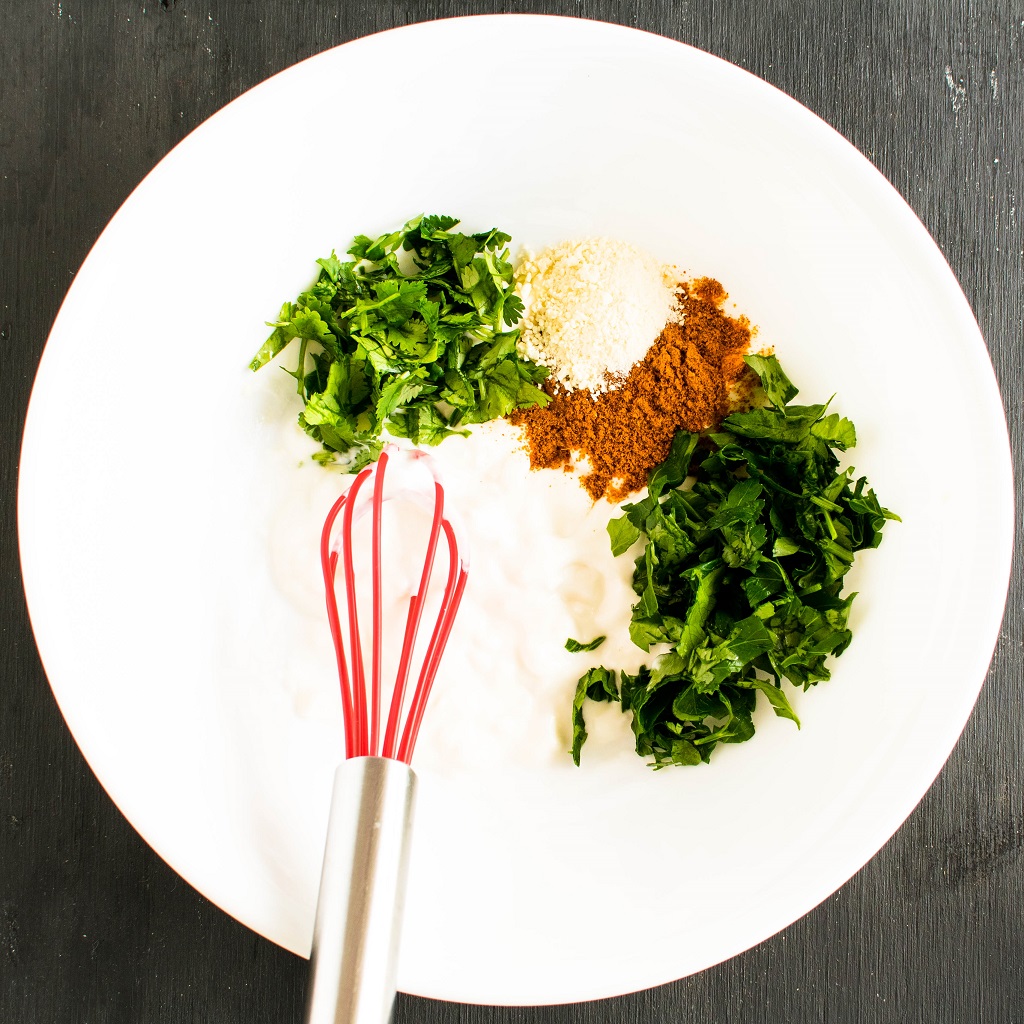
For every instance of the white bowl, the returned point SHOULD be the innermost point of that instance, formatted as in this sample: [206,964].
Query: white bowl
[160,505]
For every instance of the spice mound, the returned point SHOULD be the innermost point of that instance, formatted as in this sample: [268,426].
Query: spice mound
[593,309]
[691,378]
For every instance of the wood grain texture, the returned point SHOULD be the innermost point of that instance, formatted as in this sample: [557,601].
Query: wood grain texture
[93,926]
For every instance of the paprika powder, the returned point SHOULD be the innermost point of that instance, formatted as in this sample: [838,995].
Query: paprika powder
[692,377]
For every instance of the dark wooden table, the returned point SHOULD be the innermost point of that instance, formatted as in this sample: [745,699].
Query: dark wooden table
[93,926]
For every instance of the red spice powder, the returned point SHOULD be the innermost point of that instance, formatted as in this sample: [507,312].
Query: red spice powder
[691,378]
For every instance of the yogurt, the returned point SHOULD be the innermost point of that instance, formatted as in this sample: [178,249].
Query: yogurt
[541,570]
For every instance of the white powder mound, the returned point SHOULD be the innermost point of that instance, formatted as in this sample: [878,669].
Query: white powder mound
[593,309]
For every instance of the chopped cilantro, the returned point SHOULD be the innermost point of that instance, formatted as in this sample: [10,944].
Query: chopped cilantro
[415,335]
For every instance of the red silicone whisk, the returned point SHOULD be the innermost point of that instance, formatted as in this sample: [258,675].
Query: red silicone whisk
[359,907]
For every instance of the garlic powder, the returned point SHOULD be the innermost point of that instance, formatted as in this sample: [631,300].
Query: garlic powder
[593,308]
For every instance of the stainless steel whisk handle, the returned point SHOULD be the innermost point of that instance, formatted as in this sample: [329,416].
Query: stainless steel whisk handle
[362,893]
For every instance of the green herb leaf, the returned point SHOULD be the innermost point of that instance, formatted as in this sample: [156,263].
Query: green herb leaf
[676,467]
[777,386]
[596,684]
[623,534]
[775,695]
[575,647]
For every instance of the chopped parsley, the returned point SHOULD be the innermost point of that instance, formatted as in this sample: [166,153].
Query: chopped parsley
[416,335]
[741,574]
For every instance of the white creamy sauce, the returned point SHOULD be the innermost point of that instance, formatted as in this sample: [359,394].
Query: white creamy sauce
[541,570]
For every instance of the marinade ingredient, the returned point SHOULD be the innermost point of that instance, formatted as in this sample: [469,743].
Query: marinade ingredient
[741,574]
[415,334]
[592,310]
[692,377]
[576,646]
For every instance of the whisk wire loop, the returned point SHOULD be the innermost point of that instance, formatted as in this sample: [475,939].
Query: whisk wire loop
[358,674]
[378,501]
[435,648]
[412,625]
[329,562]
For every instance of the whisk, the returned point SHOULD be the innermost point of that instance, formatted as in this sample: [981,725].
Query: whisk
[359,907]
